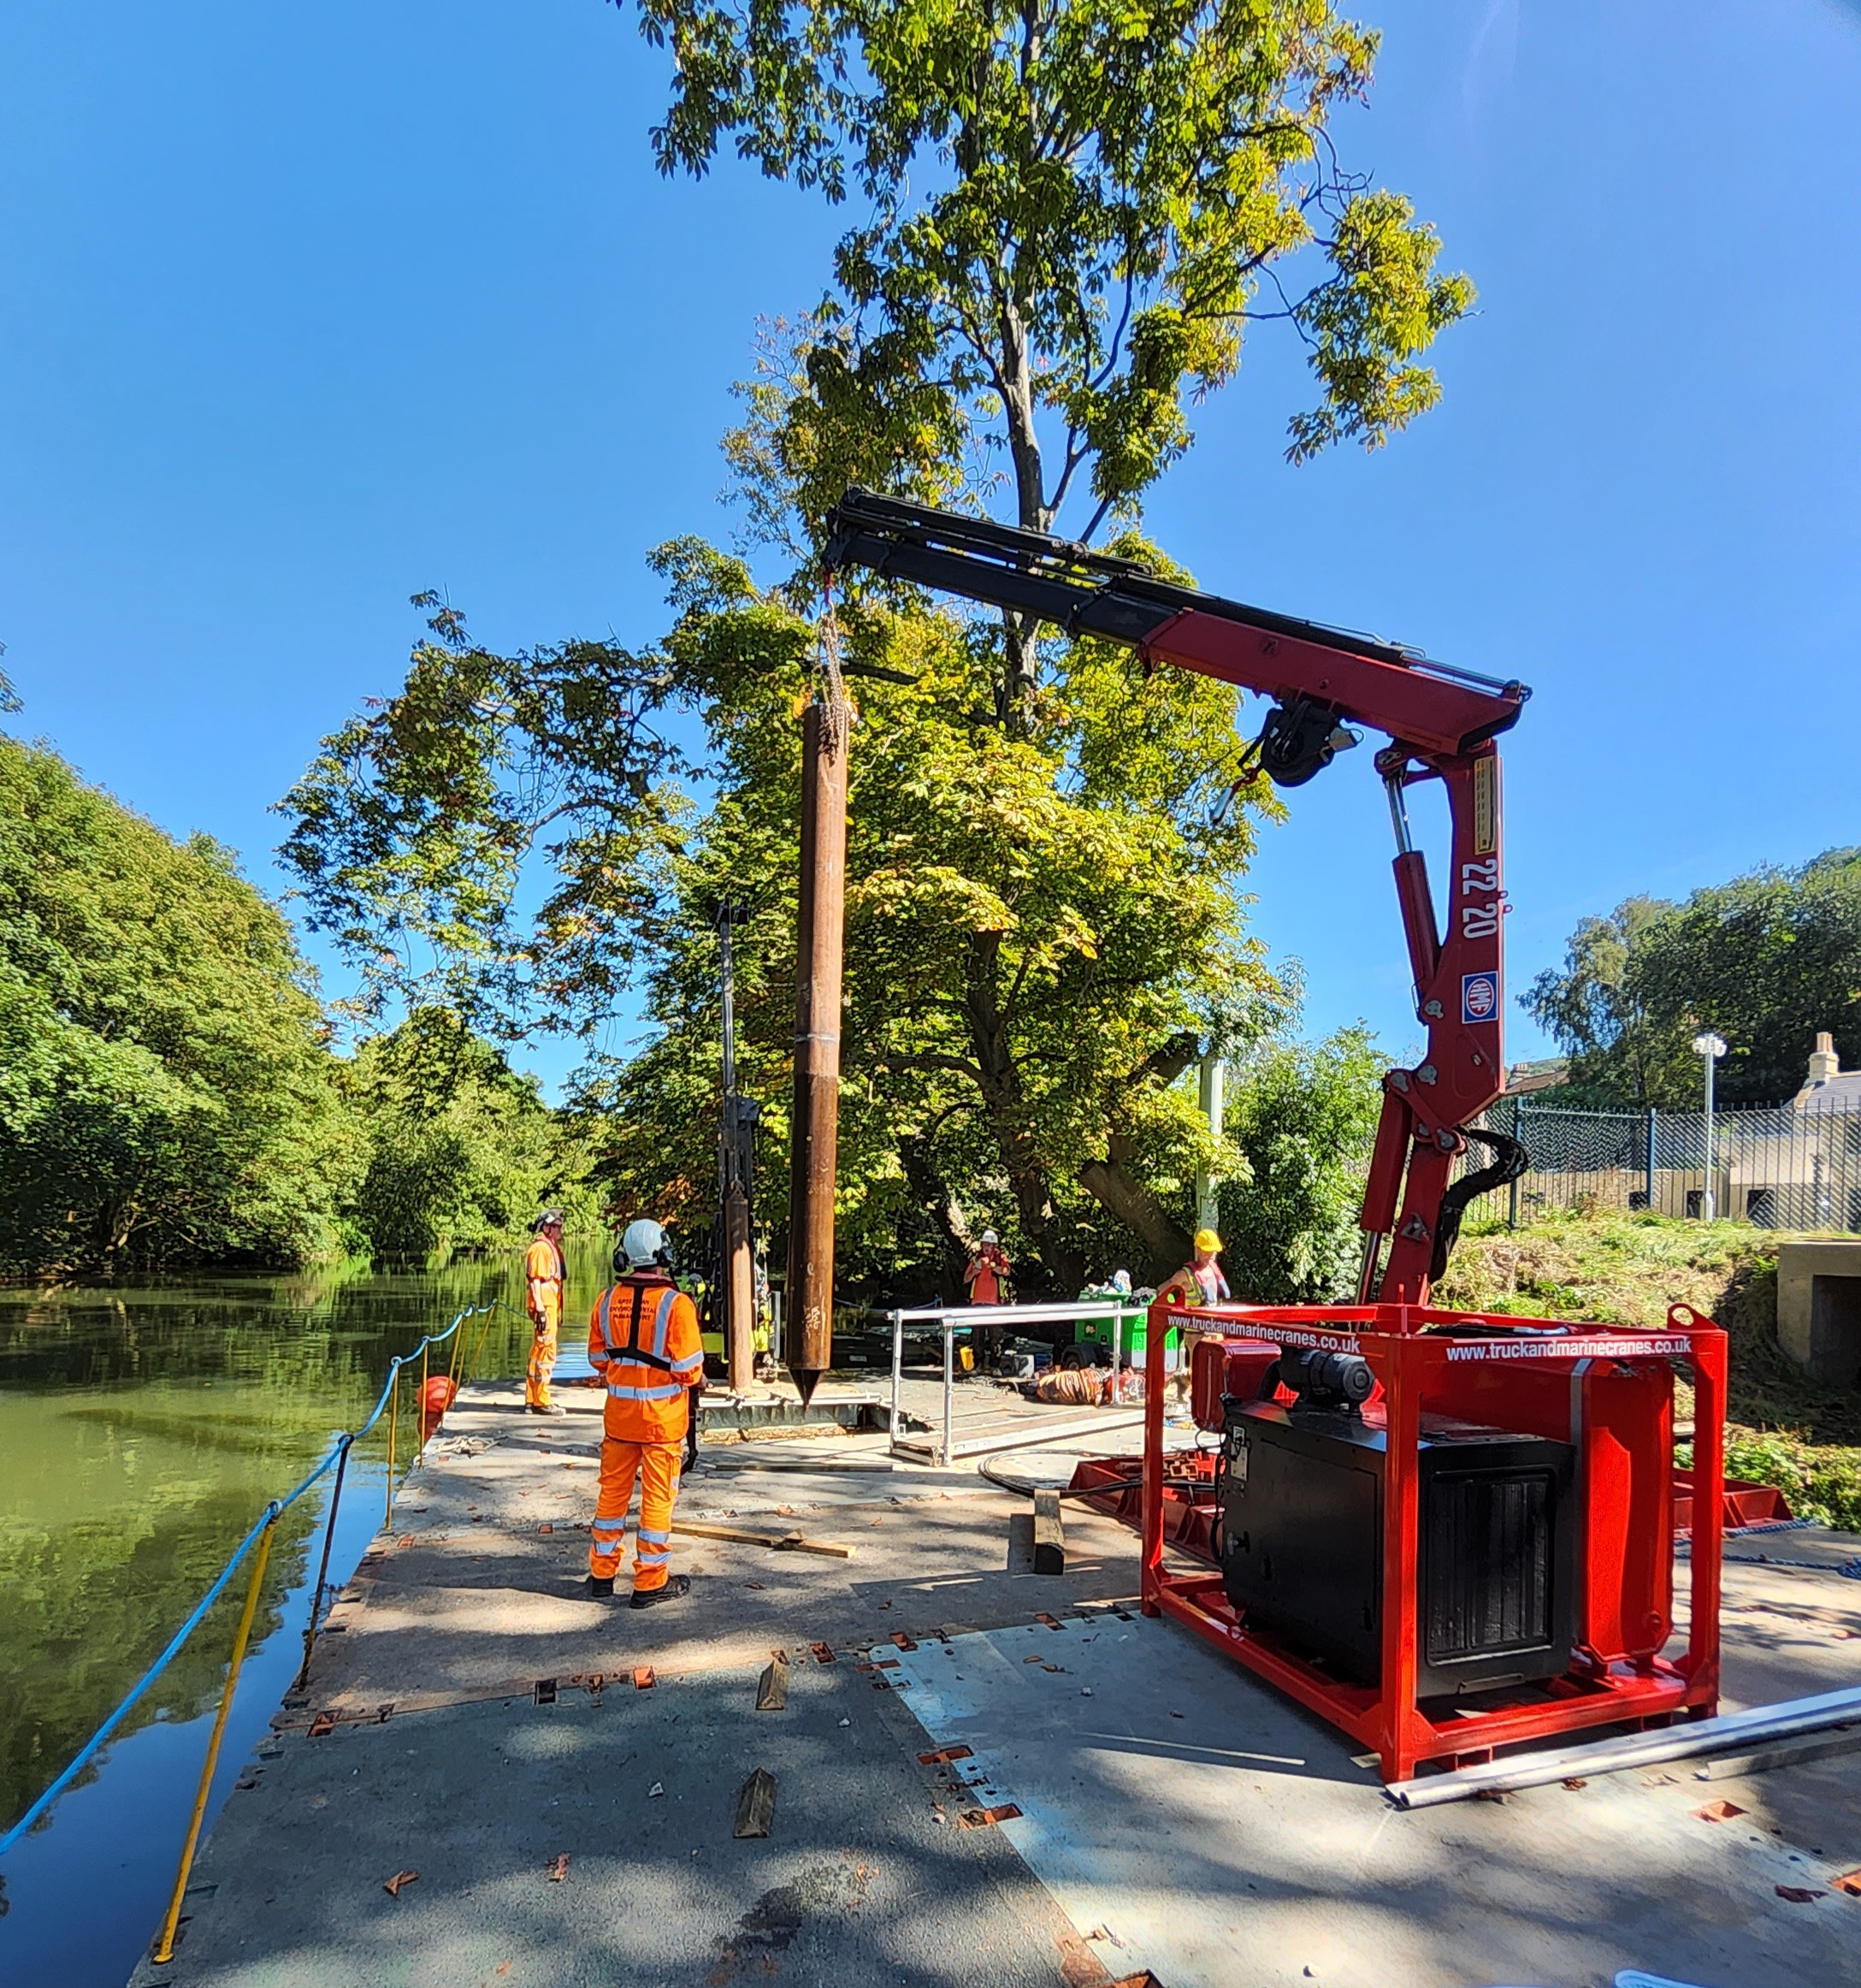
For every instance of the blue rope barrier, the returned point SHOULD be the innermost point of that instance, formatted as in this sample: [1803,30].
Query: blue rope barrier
[272,1513]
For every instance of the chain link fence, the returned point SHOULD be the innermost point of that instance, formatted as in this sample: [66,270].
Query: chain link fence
[1795,1167]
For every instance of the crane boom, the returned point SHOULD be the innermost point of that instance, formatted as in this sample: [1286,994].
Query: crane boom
[1441,723]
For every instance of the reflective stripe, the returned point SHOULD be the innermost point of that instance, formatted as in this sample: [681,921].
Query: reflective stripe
[645,1559]
[662,1320]
[668,1392]
[609,1525]
[690,1362]
[659,1538]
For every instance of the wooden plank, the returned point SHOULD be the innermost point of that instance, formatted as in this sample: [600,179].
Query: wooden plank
[772,1690]
[756,1804]
[1049,1536]
[791,1543]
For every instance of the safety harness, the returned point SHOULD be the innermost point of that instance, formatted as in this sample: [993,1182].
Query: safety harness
[632,1351]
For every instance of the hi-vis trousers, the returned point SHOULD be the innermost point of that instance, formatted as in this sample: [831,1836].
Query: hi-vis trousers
[657,1467]
[542,1360]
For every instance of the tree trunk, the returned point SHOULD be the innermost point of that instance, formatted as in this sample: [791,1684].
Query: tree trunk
[1040,1222]
[1019,655]
[1004,1104]
[1138,1208]
[933,1195]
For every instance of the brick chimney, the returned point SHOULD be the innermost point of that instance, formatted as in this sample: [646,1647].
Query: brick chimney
[1824,1064]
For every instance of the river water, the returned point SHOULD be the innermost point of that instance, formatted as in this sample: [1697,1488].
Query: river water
[143,1429]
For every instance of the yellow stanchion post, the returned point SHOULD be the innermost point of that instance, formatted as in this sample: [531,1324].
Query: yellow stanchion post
[393,1410]
[478,1346]
[164,1947]
[420,1413]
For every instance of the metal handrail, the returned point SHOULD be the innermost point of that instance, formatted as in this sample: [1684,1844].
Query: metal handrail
[955,1318]
[1051,1313]
[274,1512]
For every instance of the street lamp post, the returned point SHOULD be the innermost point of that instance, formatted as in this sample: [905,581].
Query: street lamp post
[1709,1048]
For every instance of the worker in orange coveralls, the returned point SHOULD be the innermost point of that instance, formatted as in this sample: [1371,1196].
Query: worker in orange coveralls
[643,1342]
[545,1273]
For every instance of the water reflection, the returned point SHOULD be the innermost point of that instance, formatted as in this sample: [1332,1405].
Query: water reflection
[141,1432]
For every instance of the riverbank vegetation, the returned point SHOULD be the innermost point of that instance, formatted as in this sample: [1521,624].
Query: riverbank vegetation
[1785,1428]
[170,1092]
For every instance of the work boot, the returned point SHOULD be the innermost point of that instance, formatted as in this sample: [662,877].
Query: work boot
[549,1408]
[676,1586]
[600,1587]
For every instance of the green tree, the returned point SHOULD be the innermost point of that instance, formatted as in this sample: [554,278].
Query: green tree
[1041,937]
[462,1150]
[1301,1118]
[1045,928]
[165,1087]
[1070,214]
[1767,960]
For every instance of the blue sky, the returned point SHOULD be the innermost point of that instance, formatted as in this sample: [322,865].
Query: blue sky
[302,310]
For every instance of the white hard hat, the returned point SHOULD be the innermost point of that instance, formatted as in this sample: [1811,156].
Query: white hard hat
[990,1236]
[644,1243]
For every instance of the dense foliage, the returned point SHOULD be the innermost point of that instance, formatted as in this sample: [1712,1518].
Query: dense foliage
[1040,940]
[1069,220]
[165,1091]
[1766,961]
[1302,1118]
[461,1151]
[169,1093]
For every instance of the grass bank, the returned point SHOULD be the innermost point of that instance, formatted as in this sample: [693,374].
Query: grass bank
[1801,1435]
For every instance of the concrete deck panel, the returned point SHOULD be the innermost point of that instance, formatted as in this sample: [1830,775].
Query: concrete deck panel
[1217,1835]
[858,1883]
[1236,1843]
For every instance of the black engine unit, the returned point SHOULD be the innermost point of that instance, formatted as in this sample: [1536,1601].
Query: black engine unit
[1302,1548]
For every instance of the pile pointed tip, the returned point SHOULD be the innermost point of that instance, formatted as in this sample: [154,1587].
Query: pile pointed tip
[806,1379]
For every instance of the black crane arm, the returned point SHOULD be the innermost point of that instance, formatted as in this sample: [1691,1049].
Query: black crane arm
[1385,684]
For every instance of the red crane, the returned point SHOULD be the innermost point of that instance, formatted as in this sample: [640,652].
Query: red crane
[1441,724]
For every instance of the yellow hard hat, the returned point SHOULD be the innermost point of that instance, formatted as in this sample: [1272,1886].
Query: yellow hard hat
[1208,1241]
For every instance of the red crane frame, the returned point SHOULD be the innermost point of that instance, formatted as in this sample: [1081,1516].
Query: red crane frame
[1414,1352]
[1441,724]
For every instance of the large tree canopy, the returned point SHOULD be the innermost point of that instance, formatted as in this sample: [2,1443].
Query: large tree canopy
[1069,217]
[1767,960]
[1070,212]
[169,1093]
[165,1087]
[1041,934]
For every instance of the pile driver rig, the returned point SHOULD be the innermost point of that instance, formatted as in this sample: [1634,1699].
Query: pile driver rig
[1445,1532]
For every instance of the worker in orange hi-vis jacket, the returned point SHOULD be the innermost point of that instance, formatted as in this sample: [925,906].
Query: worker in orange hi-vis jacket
[544,1273]
[643,1342]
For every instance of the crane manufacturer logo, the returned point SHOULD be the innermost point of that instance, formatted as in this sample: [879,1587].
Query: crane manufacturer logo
[1479,996]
